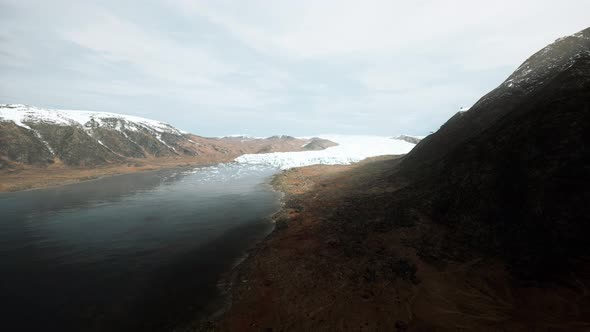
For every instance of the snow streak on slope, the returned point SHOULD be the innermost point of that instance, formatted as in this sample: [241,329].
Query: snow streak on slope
[350,149]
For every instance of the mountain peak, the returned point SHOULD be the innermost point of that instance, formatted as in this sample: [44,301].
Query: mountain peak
[583,33]
[552,59]
[540,73]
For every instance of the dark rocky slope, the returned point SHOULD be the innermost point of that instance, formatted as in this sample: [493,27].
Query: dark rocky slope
[508,177]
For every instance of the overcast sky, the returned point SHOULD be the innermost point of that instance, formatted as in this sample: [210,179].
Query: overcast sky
[260,68]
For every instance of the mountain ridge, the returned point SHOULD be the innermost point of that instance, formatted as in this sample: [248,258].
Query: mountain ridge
[522,147]
[526,79]
[37,136]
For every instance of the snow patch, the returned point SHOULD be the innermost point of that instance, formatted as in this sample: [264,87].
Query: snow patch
[43,141]
[159,137]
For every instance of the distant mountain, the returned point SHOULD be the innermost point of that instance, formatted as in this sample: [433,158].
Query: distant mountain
[41,137]
[38,136]
[279,143]
[317,143]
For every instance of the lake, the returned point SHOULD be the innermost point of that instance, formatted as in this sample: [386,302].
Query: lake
[141,251]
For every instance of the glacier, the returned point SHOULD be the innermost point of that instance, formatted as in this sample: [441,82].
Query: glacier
[351,148]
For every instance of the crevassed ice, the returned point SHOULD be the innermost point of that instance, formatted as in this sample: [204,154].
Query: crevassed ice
[350,149]
[228,172]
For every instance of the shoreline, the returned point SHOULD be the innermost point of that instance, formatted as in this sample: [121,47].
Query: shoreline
[226,248]
[35,178]
[286,182]
[209,319]
[20,177]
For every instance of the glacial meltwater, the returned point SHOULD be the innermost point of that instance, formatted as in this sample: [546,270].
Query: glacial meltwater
[141,251]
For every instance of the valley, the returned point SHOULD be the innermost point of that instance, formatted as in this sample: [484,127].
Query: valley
[430,171]
[41,147]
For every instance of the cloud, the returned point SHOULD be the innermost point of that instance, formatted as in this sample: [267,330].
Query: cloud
[118,40]
[269,67]
[311,29]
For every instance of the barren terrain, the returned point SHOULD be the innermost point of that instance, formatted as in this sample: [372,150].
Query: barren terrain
[323,270]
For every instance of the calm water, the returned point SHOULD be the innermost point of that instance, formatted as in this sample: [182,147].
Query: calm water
[132,252]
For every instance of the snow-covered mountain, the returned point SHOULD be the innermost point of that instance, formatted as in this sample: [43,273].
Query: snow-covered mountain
[37,136]
[33,135]
[22,114]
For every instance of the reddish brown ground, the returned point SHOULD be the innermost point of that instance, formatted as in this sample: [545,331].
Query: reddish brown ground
[27,177]
[307,277]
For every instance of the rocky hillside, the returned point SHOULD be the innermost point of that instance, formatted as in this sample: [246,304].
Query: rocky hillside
[40,137]
[508,176]
[483,226]
[540,73]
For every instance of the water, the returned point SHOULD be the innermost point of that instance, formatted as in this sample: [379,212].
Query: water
[140,251]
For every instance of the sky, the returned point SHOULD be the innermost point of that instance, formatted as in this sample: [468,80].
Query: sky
[264,67]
